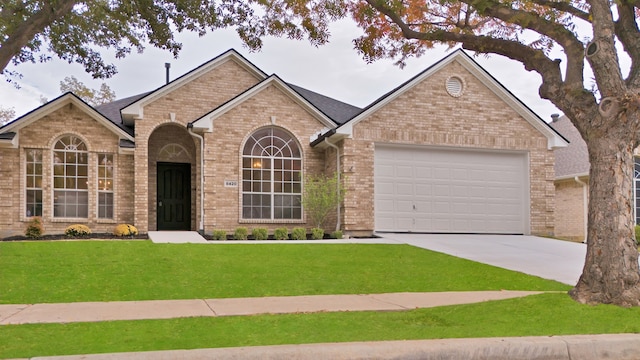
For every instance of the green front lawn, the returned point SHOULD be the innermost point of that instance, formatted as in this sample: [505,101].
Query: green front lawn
[546,314]
[36,272]
[71,271]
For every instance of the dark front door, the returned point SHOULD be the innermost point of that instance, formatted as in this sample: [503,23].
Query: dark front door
[174,196]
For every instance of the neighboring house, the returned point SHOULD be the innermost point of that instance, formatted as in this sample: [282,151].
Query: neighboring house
[226,145]
[572,183]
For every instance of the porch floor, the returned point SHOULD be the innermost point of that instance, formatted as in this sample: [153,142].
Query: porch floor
[176,237]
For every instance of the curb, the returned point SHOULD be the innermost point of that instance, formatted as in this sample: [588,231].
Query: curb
[574,347]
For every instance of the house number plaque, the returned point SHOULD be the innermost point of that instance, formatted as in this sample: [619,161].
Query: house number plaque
[230,183]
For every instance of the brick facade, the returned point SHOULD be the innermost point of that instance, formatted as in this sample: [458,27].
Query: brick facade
[424,115]
[427,115]
[570,209]
[42,135]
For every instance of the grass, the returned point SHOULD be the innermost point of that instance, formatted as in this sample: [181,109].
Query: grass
[546,314]
[45,272]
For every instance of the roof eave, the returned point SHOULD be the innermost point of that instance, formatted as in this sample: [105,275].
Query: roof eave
[57,104]
[11,142]
[205,123]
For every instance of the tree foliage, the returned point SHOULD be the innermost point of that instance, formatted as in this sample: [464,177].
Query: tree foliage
[76,31]
[6,115]
[91,96]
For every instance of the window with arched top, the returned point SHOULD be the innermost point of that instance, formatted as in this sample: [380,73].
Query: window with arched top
[70,178]
[271,176]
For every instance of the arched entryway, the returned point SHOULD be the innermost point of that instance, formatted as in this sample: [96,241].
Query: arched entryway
[172,171]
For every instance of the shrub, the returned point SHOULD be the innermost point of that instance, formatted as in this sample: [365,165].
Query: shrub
[299,234]
[125,230]
[336,234]
[281,234]
[317,233]
[219,235]
[77,230]
[34,229]
[260,233]
[241,233]
[322,195]
[638,234]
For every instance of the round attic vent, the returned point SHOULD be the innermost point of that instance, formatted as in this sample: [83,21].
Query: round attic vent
[455,86]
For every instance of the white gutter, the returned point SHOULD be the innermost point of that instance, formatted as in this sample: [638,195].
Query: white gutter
[326,140]
[585,206]
[190,128]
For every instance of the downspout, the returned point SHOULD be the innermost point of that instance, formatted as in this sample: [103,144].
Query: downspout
[190,129]
[326,140]
[585,206]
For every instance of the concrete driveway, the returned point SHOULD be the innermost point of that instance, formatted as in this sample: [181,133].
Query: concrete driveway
[547,258]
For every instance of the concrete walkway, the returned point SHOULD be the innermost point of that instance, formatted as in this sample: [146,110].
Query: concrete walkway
[167,309]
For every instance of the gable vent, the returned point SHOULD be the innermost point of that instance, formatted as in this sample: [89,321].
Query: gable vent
[455,86]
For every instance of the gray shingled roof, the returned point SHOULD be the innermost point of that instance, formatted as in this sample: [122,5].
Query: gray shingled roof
[112,110]
[7,136]
[572,160]
[338,111]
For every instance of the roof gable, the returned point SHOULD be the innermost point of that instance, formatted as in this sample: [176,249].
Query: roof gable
[553,138]
[136,109]
[572,160]
[57,104]
[205,123]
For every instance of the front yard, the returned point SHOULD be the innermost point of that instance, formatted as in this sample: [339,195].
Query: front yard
[33,272]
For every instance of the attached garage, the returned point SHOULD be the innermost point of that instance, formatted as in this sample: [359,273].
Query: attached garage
[450,190]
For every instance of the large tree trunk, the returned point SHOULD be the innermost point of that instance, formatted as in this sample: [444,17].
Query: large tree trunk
[610,273]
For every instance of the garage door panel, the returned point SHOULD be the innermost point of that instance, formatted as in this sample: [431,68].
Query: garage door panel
[442,190]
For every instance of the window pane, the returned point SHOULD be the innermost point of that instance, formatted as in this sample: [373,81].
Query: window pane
[272,154]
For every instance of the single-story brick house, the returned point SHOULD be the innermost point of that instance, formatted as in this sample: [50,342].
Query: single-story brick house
[226,145]
[572,183]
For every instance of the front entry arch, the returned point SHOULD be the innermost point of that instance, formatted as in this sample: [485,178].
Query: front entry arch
[172,172]
[174,196]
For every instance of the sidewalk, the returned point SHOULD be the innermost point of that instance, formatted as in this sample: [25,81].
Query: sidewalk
[583,347]
[167,309]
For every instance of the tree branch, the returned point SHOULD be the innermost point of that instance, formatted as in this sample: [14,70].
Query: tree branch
[628,33]
[562,93]
[601,52]
[27,30]
[564,7]
[573,48]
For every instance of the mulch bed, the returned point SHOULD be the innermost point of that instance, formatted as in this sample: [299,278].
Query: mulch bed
[108,236]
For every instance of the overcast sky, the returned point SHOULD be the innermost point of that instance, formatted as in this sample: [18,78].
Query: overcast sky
[334,70]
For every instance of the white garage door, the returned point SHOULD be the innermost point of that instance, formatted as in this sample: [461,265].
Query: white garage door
[450,191]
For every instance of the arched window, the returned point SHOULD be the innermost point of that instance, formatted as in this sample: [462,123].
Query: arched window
[271,176]
[70,178]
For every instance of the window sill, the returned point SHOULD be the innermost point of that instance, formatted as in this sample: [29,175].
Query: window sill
[73,220]
[106,221]
[271,221]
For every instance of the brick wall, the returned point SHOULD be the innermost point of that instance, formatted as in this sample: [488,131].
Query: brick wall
[188,103]
[223,149]
[569,216]
[43,134]
[427,115]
